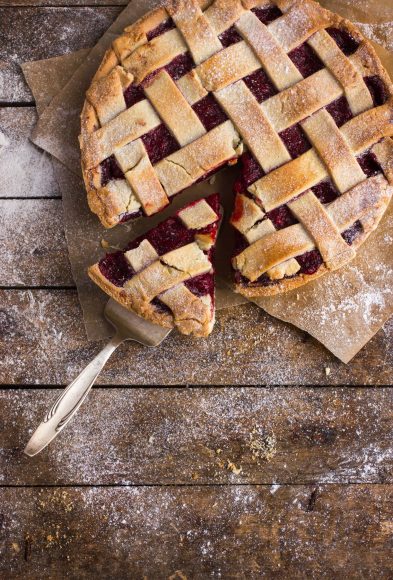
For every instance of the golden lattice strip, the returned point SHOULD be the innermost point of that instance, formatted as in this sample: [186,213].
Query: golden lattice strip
[155,54]
[195,28]
[318,223]
[174,110]
[301,100]
[242,107]
[126,127]
[356,91]
[298,24]
[289,180]
[274,59]
[182,168]
[227,66]
[334,150]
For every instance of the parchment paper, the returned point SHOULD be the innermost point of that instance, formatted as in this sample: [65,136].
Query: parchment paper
[342,310]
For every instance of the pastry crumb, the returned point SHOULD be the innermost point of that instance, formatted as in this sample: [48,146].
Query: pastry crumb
[327,371]
[212,180]
[15,547]
[297,296]
[232,467]
[105,244]
[262,447]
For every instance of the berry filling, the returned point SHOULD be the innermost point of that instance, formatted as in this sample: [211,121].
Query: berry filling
[310,262]
[282,217]
[110,170]
[377,89]
[180,66]
[259,84]
[201,285]
[369,164]
[295,140]
[352,233]
[133,94]
[268,14]
[209,112]
[159,143]
[344,40]
[160,29]
[325,191]
[251,171]
[306,60]
[230,36]
[340,111]
[116,269]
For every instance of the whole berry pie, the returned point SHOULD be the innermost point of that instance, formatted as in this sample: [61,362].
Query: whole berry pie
[167,275]
[291,91]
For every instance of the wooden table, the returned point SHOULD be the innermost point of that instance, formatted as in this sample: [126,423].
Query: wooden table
[190,481]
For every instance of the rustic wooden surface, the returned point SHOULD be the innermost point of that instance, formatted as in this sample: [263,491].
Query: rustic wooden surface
[287,481]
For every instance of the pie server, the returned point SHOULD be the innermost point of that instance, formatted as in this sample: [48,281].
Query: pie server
[129,326]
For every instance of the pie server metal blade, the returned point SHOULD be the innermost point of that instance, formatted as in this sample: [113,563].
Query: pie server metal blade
[129,326]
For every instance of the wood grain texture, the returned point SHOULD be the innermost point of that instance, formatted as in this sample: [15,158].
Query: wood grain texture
[204,435]
[42,329]
[26,170]
[34,253]
[29,33]
[197,532]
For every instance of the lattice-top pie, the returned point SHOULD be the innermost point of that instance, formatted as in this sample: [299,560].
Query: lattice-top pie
[167,275]
[293,89]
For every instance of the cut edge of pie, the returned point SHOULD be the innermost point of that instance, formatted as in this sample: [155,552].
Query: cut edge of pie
[167,274]
[319,119]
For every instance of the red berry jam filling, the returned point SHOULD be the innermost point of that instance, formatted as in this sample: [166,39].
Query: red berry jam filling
[160,29]
[180,66]
[251,171]
[377,89]
[344,40]
[340,111]
[110,170]
[133,94]
[310,262]
[169,235]
[230,36]
[201,285]
[116,269]
[352,233]
[259,84]
[325,191]
[125,217]
[209,112]
[159,143]
[268,14]
[369,164]
[306,60]
[161,306]
[282,217]
[295,140]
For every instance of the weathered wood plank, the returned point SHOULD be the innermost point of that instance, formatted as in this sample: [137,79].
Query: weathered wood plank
[26,170]
[197,532]
[181,436]
[29,33]
[42,330]
[34,251]
[62,3]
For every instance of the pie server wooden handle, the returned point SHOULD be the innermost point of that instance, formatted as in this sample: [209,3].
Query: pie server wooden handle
[70,400]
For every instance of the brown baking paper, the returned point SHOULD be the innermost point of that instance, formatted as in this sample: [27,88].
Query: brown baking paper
[342,310]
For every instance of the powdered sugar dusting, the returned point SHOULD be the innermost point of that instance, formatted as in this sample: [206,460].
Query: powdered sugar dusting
[26,171]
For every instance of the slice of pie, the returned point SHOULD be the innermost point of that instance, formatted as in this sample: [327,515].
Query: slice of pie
[189,87]
[167,275]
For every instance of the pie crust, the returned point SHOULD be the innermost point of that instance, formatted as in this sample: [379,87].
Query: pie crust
[192,85]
